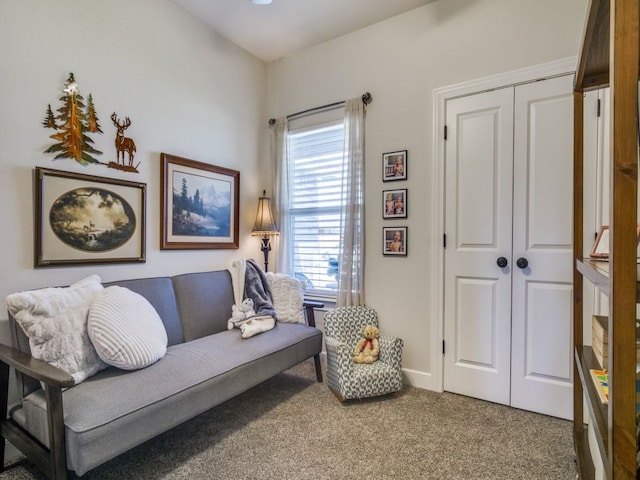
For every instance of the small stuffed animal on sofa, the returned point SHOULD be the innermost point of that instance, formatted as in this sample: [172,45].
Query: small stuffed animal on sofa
[367,348]
[240,313]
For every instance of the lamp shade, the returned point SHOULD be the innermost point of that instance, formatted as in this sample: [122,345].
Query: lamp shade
[265,225]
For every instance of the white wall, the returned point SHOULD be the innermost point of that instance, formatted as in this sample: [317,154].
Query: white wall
[192,93]
[187,90]
[400,61]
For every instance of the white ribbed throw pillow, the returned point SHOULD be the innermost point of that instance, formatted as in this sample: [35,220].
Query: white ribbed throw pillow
[125,329]
[288,295]
[55,320]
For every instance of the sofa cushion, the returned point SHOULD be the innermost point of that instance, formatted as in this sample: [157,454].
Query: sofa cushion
[55,320]
[159,292]
[288,297]
[189,380]
[204,302]
[125,329]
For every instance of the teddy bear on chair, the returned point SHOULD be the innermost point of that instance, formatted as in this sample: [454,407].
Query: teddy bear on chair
[367,348]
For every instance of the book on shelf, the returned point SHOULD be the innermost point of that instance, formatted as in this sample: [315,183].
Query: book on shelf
[600,340]
[601,381]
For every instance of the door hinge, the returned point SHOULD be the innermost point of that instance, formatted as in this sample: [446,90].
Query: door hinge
[444,240]
[445,132]
[442,347]
[598,108]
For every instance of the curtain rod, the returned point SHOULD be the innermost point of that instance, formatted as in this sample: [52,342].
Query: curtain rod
[366,99]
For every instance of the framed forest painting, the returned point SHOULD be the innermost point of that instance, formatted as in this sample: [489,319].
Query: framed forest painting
[200,205]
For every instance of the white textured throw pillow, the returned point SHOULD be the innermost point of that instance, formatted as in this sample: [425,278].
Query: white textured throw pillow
[125,329]
[288,297]
[55,320]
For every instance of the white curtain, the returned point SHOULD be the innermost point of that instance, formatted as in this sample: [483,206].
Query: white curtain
[279,160]
[351,277]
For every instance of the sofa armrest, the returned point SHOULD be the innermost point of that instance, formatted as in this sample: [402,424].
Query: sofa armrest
[53,460]
[38,369]
[309,308]
[391,351]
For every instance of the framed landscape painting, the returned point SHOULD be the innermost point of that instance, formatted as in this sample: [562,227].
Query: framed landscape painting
[84,219]
[200,205]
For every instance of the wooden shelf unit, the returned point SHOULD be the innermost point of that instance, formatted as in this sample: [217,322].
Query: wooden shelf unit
[609,56]
[597,272]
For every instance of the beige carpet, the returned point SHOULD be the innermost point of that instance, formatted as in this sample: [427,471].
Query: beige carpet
[291,427]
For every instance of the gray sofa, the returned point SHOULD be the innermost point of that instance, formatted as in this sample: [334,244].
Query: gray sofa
[79,428]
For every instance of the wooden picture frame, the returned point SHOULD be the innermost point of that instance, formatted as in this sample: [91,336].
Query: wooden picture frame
[394,241]
[394,203]
[87,220]
[199,205]
[600,248]
[394,166]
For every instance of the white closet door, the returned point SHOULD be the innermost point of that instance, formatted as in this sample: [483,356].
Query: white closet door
[542,371]
[478,184]
[508,171]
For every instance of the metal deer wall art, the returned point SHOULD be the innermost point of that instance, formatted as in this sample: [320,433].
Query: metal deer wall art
[123,145]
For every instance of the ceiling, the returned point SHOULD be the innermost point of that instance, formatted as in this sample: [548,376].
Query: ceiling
[273,31]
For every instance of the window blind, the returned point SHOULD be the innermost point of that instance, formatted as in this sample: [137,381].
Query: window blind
[315,202]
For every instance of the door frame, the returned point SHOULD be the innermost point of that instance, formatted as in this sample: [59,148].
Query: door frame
[440,97]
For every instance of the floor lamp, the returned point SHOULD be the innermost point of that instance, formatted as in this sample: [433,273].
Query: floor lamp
[265,226]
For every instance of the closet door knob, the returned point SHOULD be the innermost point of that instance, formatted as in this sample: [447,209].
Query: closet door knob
[502,262]
[522,263]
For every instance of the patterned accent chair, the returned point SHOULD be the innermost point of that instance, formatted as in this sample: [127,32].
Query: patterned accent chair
[347,379]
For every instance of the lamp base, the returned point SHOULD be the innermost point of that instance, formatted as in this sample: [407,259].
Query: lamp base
[266,248]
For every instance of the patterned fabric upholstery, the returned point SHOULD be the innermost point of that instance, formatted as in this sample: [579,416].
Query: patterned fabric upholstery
[348,379]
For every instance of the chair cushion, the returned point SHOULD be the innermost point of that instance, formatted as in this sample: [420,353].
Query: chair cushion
[55,320]
[125,329]
[371,380]
[345,323]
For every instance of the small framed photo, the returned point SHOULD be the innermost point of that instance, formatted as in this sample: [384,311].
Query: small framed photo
[394,241]
[600,249]
[200,205]
[394,203]
[88,220]
[394,166]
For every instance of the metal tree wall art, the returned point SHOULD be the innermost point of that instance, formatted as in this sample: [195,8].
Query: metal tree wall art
[123,145]
[73,122]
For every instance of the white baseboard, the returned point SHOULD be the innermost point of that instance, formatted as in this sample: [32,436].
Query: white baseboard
[418,379]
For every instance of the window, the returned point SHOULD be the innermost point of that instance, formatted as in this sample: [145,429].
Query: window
[315,202]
